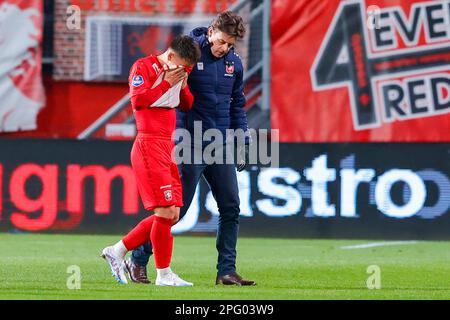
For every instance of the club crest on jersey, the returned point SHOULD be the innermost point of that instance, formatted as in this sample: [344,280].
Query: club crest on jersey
[200,66]
[137,81]
[168,195]
[229,68]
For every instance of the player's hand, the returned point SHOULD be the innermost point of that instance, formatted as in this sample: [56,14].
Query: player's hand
[175,76]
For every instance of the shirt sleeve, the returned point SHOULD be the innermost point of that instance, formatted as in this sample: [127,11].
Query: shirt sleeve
[141,81]
[186,99]
[238,114]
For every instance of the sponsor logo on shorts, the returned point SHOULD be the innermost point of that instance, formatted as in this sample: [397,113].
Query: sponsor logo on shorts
[168,195]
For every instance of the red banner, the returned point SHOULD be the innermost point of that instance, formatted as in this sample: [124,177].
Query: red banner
[374,70]
[21,89]
[155,6]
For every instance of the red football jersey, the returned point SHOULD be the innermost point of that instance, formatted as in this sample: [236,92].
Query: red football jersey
[153,99]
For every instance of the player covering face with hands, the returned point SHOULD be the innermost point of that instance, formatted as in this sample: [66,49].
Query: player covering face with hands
[158,84]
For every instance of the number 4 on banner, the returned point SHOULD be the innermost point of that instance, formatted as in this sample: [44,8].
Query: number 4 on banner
[342,62]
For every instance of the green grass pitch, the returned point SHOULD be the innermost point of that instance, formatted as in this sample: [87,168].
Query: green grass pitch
[35,266]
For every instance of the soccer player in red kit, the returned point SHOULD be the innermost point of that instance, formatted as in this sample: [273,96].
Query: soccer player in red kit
[158,84]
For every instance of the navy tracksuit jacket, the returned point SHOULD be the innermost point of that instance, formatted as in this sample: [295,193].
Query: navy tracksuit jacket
[217,86]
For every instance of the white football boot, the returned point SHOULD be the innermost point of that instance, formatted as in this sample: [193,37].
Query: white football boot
[171,279]
[117,265]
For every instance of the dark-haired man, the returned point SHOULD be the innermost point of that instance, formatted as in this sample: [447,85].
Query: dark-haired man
[158,84]
[216,83]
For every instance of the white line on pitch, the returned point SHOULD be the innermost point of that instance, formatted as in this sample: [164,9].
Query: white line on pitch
[378,244]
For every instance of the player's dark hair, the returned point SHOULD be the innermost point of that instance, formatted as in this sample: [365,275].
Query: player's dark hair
[229,23]
[186,48]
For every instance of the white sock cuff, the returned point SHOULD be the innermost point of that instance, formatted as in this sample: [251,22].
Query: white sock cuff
[163,272]
[120,250]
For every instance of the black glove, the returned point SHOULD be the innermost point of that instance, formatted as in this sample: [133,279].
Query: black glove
[242,157]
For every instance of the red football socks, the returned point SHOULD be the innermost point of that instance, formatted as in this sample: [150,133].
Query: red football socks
[156,229]
[162,241]
[140,234]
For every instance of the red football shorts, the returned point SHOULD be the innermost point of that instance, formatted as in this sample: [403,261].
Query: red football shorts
[157,176]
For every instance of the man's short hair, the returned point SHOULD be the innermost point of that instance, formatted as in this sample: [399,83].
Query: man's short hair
[186,48]
[229,23]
